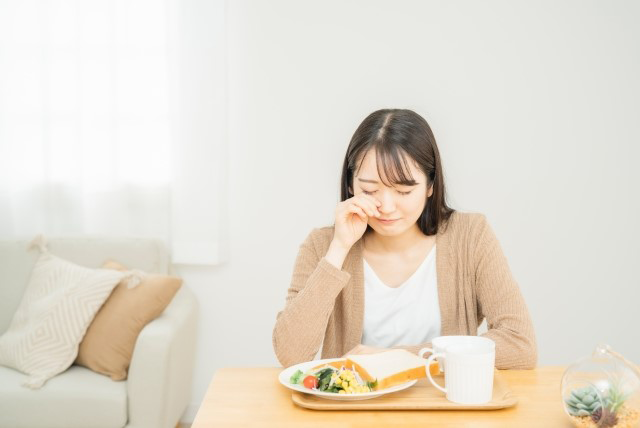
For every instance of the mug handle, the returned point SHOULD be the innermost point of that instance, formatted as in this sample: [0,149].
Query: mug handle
[429,361]
[432,351]
[424,351]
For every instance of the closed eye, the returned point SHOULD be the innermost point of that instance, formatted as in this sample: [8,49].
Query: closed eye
[374,191]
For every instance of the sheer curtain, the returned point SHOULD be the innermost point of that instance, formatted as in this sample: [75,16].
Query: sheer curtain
[96,121]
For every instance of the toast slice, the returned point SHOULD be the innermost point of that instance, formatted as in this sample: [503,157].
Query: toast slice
[390,368]
[335,364]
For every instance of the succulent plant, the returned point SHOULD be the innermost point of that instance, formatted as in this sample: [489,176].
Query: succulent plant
[583,401]
[614,397]
[602,390]
[586,402]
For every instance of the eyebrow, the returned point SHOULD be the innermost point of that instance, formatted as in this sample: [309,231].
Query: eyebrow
[364,180]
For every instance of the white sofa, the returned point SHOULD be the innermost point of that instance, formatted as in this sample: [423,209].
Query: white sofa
[158,388]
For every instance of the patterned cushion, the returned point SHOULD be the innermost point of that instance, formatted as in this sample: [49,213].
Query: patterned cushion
[59,303]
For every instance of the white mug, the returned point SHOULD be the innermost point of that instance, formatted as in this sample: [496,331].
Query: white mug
[440,344]
[468,372]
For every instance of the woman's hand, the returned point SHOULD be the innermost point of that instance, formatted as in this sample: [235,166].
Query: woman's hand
[352,216]
[363,349]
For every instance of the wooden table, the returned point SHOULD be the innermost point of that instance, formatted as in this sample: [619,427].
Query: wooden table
[254,397]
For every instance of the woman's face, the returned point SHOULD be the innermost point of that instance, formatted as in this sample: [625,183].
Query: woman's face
[401,204]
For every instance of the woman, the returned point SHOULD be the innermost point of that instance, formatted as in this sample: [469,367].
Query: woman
[374,281]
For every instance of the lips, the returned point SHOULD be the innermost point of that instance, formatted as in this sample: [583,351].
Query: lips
[387,221]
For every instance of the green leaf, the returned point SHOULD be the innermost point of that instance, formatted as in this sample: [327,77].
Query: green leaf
[577,394]
[334,388]
[324,378]
[296,377]
[588,399]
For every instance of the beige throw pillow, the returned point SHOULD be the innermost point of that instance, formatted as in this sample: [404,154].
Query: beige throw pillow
[108,345]
[58,305]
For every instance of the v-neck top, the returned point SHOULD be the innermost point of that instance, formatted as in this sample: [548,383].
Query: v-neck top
[408,313]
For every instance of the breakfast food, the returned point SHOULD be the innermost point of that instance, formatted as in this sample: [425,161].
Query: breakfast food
[390,368]
[327,378]
[364,373]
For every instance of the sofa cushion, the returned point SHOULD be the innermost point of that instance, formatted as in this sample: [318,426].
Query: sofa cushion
[108,345]
[16,263]
[59,303]
[76,398]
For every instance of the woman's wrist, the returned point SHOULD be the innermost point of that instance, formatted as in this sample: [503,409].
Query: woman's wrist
[336,254]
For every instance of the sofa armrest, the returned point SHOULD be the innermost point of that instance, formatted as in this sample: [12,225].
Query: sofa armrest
[161,370]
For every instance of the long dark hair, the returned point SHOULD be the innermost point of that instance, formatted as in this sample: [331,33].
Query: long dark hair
[395,134]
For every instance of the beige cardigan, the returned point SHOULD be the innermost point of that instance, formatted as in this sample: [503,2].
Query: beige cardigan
[325,305]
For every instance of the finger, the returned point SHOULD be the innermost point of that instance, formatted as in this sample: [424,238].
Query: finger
[371,198]
[366,202]
[373,202]
[354,209]
[369,207]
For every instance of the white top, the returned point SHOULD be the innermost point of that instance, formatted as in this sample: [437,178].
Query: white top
[405,315]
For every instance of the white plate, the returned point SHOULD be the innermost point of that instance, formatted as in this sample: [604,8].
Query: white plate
[286,374]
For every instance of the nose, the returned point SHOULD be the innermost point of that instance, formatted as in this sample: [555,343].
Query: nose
[387,201]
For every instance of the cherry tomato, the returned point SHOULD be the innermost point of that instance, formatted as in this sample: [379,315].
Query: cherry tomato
[310,382]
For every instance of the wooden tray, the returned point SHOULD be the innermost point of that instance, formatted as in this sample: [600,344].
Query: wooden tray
[421,396]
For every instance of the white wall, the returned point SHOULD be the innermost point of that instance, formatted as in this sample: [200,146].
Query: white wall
[535,109]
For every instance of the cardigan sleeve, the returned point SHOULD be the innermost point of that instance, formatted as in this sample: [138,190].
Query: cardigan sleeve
[301,325]
[500,301]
